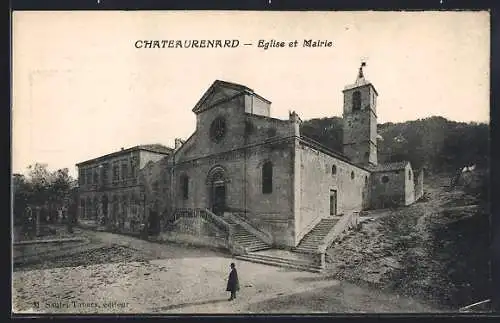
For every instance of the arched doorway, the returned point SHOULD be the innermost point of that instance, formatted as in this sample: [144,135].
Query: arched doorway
[217,181]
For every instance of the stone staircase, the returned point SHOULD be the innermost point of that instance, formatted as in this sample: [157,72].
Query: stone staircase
[284,259]
[245,239]
[313,239]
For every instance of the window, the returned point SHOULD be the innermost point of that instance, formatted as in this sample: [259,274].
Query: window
[356,101]
[81,177]
[89,175]
[218,129]
[334,169]
[409,174]
[104,170]
[96,175]
[367,155]
[352,174]
[133,168]
[185,186]
[267,178]
[124,171]
[366,180]
[116,173]
[385,179]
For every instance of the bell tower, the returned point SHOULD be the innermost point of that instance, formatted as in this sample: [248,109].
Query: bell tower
[360,121]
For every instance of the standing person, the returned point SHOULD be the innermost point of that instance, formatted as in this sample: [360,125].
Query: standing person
[233,285]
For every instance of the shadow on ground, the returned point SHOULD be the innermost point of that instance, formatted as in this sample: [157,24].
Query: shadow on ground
[314,279]
[343,298]
[181,305]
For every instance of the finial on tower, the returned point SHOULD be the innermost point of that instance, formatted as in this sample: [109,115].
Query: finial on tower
[360,80]
[360,74]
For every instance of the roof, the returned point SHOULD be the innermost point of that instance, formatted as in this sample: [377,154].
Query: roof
[232,89]
[388,167]
[155,148]
[360,81]
[316,145]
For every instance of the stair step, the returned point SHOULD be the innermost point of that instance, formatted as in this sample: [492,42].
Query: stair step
[281,259]
[247,239]
[315,269]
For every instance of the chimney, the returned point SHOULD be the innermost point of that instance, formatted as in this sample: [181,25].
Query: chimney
[178,143]
[295,121]
[122,148]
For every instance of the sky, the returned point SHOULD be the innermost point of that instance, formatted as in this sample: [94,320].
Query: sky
[81,89]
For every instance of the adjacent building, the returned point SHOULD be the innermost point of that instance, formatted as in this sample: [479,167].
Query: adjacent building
[110,189]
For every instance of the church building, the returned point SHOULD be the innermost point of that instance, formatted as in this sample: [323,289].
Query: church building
[242,166]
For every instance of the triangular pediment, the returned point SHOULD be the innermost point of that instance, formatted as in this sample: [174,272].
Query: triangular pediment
[218,92]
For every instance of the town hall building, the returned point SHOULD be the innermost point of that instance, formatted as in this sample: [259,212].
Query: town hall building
[242,169]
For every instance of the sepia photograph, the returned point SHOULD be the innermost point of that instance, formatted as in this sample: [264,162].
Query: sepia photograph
[250,162]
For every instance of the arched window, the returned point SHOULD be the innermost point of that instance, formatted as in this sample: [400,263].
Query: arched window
[185,186]
[366,180]
[352,174]
[334,169]
[409,174]
[356,101]
[267,178]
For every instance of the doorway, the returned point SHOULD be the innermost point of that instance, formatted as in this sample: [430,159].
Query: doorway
[218,198]
[154,222]
[333,202]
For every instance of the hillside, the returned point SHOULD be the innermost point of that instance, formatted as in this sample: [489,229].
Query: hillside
[435,143]
[436,250]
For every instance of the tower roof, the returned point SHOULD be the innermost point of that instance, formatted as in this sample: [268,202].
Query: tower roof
[360,80]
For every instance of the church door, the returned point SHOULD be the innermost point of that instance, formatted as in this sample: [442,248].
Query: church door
[218,198]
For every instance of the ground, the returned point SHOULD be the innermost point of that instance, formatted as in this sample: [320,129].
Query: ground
[436,250]
[428,257]
[137,276]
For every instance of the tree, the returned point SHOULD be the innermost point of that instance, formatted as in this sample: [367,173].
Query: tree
[52,190]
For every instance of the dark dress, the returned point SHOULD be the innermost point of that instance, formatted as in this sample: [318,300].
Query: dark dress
[233,284]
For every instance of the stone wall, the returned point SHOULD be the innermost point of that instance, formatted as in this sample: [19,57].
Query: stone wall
[360,127]
[255,105]
[390,193]
[273,212]
[409,186]
[317,181]
[419,185]
[242,171]
[196,231]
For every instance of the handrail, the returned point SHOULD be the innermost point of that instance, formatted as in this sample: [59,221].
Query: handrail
[267,238]
[207,215]
[468,307]
[339,227]
[199,213]
[310,226]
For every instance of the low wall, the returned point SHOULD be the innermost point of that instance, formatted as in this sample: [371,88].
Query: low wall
[201,241]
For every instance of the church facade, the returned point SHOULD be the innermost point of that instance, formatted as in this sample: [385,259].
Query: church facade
[240,160]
